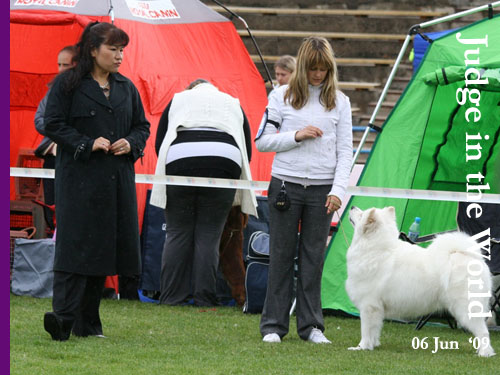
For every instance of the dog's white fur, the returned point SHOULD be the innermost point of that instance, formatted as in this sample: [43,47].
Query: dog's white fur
[390,278]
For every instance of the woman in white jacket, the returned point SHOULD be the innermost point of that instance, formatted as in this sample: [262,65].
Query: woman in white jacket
[308,124]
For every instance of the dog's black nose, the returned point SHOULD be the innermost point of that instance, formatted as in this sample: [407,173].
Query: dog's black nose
[353,207]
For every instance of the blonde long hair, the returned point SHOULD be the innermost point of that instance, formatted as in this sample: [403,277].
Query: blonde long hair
[313,52]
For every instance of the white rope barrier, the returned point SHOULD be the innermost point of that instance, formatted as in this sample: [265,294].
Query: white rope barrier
[263,185]
[432,195]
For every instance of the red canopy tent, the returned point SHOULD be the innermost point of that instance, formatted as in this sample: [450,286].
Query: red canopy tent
[172,42]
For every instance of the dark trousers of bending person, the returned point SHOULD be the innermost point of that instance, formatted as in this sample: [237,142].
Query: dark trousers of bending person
[195,221]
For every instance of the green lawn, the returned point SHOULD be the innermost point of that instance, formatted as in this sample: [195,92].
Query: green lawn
[149,339]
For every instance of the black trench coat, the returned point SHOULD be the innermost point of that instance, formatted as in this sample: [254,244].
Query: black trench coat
[96,204]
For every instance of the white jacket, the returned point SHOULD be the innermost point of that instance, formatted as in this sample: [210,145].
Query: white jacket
[205,106]
[324,158]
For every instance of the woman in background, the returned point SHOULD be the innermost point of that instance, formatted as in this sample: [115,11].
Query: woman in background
[283,70]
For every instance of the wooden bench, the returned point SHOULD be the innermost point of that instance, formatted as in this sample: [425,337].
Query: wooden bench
[325,34]
[379,120]
[333,12]
[345,85]
[385,104]
[353,61]
[370,86]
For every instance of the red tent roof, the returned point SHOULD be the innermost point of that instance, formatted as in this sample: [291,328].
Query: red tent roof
[161,59]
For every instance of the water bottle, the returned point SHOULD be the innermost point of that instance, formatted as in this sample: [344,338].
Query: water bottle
[414,231]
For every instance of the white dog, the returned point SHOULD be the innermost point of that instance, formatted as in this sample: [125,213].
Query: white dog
[390,278]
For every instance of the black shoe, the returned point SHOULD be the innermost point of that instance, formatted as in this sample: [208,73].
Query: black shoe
[54,325]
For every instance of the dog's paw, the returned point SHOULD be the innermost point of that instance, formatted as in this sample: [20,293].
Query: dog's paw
[355,348]
[359,347]
[486,352]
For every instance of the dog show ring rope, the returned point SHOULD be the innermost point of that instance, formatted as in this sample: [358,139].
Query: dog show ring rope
[436,195]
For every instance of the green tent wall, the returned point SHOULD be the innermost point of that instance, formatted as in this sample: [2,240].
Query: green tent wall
[423,146]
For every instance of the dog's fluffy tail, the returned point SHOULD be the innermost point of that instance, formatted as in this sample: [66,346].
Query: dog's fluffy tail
[457,242]
[462,252]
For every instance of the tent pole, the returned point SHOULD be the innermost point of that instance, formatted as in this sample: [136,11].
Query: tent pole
[251,36]
[382,97]
[111,12]
[460,14]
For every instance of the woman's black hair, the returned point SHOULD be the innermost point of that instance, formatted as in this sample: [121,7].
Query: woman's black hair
[94,34]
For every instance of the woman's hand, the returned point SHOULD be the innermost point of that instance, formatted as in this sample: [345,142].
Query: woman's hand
[101,143]
[308,132]
[120,147]
[333,203]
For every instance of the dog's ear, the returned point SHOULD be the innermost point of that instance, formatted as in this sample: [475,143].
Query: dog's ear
[371,217]
[392,211]
[371,221]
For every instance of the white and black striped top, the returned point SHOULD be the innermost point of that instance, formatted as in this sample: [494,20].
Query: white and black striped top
[202,151]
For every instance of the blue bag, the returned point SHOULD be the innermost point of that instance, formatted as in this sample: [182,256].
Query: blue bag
[257,272]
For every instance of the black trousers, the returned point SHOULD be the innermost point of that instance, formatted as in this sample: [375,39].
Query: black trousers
[195,220]
[49,162]
[76,299]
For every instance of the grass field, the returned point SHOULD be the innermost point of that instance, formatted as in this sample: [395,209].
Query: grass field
[143,338]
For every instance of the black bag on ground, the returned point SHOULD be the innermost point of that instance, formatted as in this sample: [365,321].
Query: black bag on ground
[256,272]
[255,224]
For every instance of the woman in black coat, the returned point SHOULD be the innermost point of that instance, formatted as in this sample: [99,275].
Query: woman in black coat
[95,116]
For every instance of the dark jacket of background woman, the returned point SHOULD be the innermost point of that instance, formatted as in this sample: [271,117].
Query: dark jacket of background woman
[105,239]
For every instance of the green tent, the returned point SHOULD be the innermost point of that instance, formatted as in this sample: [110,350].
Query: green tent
[423,143]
